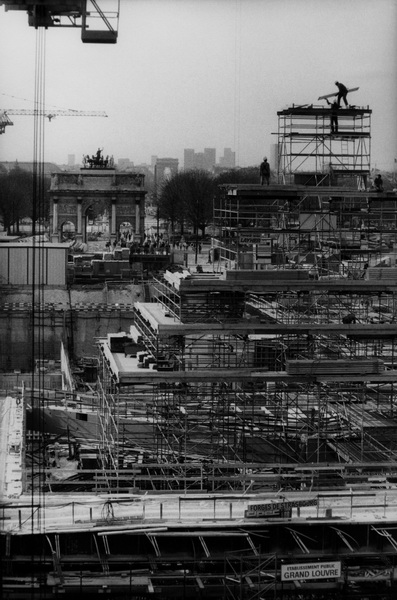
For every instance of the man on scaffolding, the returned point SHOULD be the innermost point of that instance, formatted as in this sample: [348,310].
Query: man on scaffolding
[334,115]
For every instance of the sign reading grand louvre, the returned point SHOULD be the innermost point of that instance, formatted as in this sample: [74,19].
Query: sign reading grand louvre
[301,571]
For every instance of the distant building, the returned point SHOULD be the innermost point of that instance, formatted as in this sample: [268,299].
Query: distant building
[188,159]
[228,159]
[200,160]
[165,167]
[71,160]
[209,158]
[48,167]
[123,164]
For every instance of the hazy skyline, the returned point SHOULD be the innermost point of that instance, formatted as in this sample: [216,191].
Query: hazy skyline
[201,73]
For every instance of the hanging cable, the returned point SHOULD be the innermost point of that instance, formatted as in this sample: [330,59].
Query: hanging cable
[37,284]
[237,78]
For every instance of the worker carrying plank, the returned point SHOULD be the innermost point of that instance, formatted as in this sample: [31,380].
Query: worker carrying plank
[341,93]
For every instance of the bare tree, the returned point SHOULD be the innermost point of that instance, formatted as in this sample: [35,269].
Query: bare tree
[186,198]
[17,198]
[171,201]
[199,199]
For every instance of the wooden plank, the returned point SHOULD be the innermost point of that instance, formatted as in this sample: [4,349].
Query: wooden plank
[336,93]
[377,329]
[332,285]
[200,533]
[200,583]
[216,375]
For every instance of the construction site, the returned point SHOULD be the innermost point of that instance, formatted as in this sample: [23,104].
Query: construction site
[229,431]
[242,427]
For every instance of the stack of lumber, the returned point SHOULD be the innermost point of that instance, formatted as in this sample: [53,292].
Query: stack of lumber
[268,275]
[360,366]
[382,273]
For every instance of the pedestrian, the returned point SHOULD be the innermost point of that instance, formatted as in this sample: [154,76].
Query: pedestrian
[264,171]
[334,115]
[131,255]
[378,182]
[342,93]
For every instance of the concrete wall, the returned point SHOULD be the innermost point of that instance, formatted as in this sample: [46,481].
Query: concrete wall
[113,293]
[26,330]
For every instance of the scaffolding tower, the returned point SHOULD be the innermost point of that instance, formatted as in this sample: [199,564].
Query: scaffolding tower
[313,153]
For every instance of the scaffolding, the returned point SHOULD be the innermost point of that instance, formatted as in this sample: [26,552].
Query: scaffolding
[295,386]
[312,152]
[327,231]
[285,355]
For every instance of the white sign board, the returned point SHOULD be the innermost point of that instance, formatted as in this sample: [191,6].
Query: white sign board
[300,571]
[259,510]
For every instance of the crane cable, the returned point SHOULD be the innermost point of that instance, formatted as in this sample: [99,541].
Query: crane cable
[37,285]
[237,78]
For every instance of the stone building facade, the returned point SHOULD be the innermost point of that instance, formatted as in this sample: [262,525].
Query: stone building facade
[77,197]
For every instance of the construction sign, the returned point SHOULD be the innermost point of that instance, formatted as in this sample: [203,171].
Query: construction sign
[277,508]
[302,571]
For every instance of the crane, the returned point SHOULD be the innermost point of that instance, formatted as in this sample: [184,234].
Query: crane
[5,112]
[98,26]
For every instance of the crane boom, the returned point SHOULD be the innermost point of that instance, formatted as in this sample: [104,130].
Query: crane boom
[53,113]
[5,112]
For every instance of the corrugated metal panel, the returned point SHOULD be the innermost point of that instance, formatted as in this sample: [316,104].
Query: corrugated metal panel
[3,266]
[57,266]
[18,268]
[37,265]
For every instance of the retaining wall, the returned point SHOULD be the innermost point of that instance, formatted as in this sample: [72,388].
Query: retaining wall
[28,329]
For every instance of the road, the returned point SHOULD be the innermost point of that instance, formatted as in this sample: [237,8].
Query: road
[137,512]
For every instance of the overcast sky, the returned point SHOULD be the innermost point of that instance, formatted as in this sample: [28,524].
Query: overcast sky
[201,73]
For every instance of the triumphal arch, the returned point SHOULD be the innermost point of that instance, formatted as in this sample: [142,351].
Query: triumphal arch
[76,197]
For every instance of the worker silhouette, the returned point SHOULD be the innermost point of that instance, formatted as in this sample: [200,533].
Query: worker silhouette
[378,183]
[264,171]
[342,93]
[334,115]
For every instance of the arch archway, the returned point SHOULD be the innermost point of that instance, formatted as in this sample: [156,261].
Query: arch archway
[67,231]
[92,192]
[125,232]
[96,221]
[165,167]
